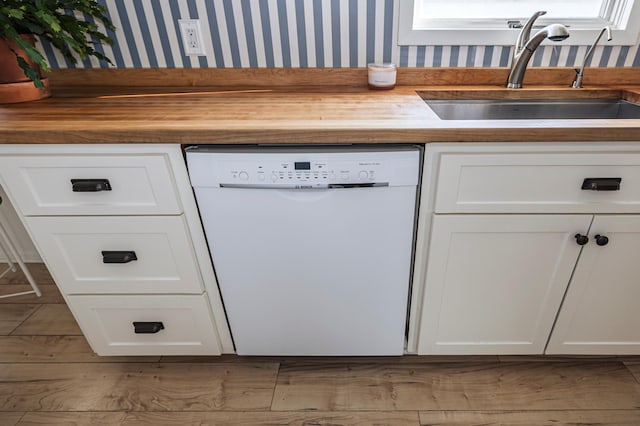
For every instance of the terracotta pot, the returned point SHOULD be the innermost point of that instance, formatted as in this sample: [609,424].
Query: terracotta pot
[10,72]
[14,85]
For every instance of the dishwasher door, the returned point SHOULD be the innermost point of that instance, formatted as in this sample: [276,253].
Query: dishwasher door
[321,271]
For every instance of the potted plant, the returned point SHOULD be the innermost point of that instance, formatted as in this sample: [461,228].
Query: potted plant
[51,20]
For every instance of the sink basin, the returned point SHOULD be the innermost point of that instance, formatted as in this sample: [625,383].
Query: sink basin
[532,109]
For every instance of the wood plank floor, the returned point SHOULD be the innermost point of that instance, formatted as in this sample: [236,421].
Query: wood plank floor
[50,376]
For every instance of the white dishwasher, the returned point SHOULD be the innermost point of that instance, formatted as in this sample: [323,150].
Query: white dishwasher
[312,247]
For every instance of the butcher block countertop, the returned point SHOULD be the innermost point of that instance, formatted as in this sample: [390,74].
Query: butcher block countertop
[295,113]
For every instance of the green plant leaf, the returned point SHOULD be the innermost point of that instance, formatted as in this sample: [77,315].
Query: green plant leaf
[51,20]
[30,72]
[14,13]
[54,21]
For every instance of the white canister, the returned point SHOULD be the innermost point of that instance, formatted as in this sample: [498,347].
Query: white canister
[382,76]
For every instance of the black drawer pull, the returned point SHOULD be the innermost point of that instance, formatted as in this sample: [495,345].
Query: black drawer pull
[601,184]
[90,185]
[150,327]
[118,256]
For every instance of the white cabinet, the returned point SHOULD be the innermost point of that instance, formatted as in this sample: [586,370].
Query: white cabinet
[495,282]
[505,181]
[499,267]
[118,228]
[161,324]
[119,254]
[92,184]
[601,312]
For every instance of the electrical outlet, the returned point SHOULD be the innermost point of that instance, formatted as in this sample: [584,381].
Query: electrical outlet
[191,37]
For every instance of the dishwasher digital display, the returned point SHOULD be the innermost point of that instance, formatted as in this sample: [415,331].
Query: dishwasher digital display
[302,165]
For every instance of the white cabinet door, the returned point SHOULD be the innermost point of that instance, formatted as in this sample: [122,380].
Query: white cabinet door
[530,182]
[146,324]
[97,184]
[118,254]
[494,283]
[601,311]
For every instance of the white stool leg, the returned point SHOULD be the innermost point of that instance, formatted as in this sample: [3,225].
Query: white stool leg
[4,240]
[11,267]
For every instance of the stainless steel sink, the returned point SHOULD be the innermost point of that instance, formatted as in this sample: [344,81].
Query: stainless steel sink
[532,109]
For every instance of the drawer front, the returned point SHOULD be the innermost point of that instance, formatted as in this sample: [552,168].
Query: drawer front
[91,184]
[538,183]
[89,255]
[146,325]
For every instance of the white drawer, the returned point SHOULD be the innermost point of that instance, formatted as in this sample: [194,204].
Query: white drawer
[536,183]
[139,184]
[73,249]
[108,324]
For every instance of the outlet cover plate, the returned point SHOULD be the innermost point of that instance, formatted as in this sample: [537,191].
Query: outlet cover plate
[191,37]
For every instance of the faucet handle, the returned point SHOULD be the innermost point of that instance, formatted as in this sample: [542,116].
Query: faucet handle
[525,33]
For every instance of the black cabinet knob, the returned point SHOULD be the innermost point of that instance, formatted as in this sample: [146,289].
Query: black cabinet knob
[601,240]
[581,239]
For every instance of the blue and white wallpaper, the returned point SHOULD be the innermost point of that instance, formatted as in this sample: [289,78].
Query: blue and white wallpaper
[297,34]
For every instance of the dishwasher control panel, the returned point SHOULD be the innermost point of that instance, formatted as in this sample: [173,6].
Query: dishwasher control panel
[303,169]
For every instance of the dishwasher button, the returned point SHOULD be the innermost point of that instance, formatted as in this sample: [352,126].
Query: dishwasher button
[363,174]
[243,175]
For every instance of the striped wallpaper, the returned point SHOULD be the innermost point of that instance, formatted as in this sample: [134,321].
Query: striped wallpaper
[297,34]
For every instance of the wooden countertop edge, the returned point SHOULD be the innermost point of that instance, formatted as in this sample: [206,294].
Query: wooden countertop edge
[594,132]
[417,127]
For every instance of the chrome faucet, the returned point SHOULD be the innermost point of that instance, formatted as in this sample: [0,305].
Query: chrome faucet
[525,47]
[577,83]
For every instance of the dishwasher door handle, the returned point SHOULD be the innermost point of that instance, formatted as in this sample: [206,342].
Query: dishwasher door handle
[358,185]
[303,186]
